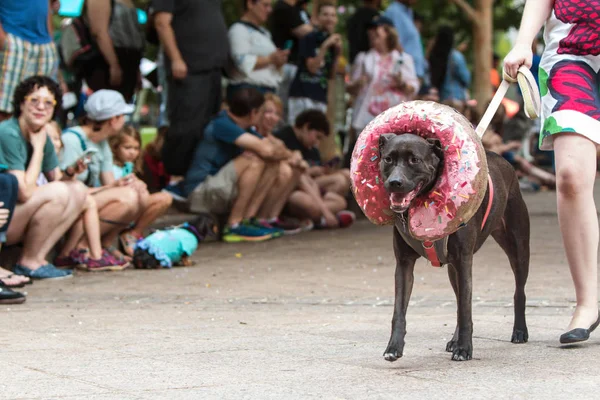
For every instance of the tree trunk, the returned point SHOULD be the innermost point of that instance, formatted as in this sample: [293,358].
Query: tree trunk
[482,35]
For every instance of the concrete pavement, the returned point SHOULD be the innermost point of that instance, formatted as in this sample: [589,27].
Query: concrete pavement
[304,317]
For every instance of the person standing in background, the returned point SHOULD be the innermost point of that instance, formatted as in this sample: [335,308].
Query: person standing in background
[194,37]
[114,26]
[288,25]
[26,47]
[410,38]
[358,25]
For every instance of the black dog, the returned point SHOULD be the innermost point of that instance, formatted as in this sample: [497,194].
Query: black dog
[410,166]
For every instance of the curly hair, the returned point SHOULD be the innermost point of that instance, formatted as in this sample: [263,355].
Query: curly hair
[30,85]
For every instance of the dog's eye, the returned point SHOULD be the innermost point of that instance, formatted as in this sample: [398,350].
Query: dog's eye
[414,160]
[387,160]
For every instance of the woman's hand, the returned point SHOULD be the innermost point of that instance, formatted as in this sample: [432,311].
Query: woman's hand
[279,57]
[521,54]
[116,75]
[127,180]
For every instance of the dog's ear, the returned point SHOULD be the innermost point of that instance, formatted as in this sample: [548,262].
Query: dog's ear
[384,138]
[433,142]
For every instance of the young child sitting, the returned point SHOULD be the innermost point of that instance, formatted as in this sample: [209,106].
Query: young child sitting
[154,173]
[126,157]
[89,255]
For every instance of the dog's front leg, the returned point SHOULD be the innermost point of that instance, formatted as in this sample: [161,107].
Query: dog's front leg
[404,278]
[463,349]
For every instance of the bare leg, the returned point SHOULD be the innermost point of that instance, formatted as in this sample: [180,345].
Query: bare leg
[249,170]
[267,179]
[280,192]
[89,224]
[121,207]
[575,174]
[158,204]
[544,177]
[338,182]
[44,218]
[335,202]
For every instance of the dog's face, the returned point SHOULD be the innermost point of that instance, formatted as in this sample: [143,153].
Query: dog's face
[409,166]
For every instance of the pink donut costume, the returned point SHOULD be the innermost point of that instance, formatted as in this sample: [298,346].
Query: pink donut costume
[460,188]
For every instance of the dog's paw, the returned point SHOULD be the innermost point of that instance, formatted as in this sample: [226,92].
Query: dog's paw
[393,352]
[519,336]
[392,356]
[462,354]
[451,345]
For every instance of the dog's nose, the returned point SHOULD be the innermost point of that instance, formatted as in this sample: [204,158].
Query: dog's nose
[396,184]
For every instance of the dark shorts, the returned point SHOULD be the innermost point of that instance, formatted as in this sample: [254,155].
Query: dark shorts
[9,192]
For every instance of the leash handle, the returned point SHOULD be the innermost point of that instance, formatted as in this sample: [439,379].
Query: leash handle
[531,97]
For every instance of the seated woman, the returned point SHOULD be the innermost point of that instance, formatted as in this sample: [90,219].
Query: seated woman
[120,202]
[126,158]
[289,170]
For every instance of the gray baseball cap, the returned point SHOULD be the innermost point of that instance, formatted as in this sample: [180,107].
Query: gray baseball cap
[105,104]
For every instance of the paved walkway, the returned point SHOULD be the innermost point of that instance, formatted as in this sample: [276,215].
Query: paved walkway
[305,317]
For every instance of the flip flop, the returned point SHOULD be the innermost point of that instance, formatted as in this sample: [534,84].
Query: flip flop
[128,242]
[21,283]
[529,89]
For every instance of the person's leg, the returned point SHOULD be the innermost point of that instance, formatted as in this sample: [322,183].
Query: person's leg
[54,205]
[302,205]
[337,182]
[192,102]
[89,225]
[543,176]
[575,175]
[264,185]
[157,205]
[249,170]
[277,197]
[335,202]
[117,208]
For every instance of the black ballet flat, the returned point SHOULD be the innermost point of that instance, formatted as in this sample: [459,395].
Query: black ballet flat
[579,334]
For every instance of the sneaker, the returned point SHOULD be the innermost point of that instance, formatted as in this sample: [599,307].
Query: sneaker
[268,227]
[288,226]
[47,271]
[8,296]
[307,225]
[175,191]
[246,232]
[346,218]
[75,258]
[106,263]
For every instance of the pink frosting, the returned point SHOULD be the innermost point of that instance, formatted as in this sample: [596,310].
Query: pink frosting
[462,183]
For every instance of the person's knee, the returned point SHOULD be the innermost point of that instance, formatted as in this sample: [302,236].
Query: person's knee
[130,199]
[90,203]
[572,181]
[164,199]
[286,173]
[78,193]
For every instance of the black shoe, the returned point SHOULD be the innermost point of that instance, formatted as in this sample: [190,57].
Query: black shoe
[8,296]
[579,334]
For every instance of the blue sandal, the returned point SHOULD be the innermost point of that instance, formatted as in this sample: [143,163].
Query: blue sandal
[47,271]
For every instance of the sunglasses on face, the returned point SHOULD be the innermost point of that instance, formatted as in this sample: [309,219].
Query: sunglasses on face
[35,101]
